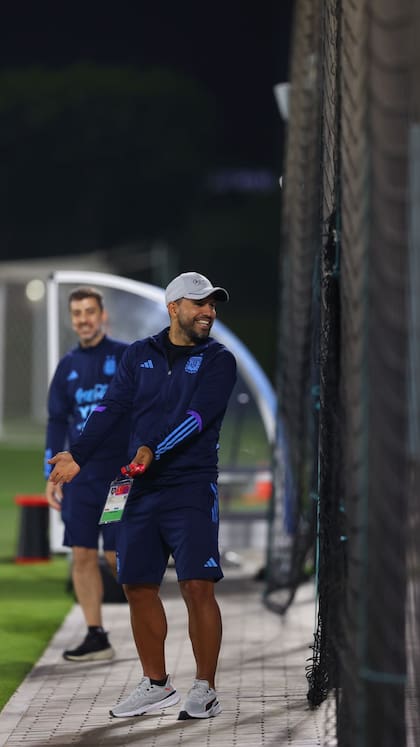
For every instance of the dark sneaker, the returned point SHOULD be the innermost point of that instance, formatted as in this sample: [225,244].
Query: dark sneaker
[147,698]
[95,647]
[201,702]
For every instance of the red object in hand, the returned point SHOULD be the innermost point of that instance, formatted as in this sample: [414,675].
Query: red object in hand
[133,469]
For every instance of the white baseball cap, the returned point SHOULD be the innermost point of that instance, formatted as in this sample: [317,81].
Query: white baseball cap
[194,286]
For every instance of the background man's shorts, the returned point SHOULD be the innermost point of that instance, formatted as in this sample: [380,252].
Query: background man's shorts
[181,520]
[83,501]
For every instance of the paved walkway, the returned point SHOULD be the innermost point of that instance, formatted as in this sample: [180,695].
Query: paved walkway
[261,680]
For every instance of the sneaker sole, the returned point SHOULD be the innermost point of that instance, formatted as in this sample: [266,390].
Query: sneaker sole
[104,655]
[213,711]
[159,706]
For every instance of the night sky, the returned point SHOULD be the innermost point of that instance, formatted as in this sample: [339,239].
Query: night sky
[237,50]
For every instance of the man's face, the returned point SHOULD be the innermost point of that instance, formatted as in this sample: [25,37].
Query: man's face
[191,321]
[87,320]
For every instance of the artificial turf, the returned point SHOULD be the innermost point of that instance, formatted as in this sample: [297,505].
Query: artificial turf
[33,598]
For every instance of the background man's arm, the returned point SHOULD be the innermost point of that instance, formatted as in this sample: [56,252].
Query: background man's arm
[65,468]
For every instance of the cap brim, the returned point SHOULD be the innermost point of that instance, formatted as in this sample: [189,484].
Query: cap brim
[220,294]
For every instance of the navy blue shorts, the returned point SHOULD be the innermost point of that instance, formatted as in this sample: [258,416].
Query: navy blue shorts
[182,521]
[83,501]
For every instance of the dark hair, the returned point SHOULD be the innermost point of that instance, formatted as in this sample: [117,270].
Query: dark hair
[86,291]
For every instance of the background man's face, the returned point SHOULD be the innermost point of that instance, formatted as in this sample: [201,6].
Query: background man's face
[87,319]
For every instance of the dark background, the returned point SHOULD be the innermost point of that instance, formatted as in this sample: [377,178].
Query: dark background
[131,125]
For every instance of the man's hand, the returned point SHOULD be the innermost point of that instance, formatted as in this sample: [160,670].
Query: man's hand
[65,468]
[54,495]
[144,456]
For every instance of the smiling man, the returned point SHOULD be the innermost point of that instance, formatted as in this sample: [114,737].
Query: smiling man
[176,385]
[79,384]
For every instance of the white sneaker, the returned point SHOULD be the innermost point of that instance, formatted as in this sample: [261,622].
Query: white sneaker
[147,698]
[201,702]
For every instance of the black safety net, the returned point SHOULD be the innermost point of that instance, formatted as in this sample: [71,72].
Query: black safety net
[346,499]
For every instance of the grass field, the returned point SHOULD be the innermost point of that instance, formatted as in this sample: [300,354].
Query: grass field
[33,598]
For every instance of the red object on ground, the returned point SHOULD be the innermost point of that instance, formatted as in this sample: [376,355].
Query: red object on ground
[264,489]
[33,541]
[31,500]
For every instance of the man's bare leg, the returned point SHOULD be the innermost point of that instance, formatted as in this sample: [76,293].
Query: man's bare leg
[205,626]
[87,583]
[111,559]
[149,626]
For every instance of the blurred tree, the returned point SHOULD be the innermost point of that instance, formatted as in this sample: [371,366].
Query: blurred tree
[93,157]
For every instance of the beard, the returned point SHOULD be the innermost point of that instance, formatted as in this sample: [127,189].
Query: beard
[192,333]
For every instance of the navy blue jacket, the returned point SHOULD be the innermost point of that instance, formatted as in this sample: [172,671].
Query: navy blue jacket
[80,382]
[176,413]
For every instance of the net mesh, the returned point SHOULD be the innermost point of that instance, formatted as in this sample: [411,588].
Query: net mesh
[347,461]
[293,473]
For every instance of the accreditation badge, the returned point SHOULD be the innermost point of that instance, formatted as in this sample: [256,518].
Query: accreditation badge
[116,500]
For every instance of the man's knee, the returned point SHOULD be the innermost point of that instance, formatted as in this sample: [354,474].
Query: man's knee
[84,557]
[140,593]
[197,591]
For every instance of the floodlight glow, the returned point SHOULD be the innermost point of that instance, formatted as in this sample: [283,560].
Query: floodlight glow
[35,290]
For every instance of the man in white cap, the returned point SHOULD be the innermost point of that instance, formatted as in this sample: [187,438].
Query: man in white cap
[176,385]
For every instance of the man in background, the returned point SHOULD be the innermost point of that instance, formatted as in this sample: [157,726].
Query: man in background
[80,382]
